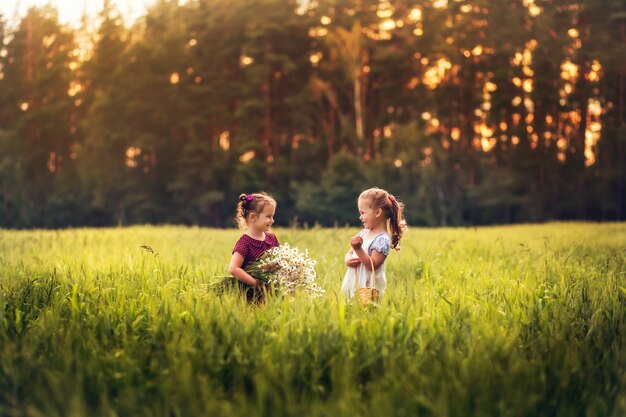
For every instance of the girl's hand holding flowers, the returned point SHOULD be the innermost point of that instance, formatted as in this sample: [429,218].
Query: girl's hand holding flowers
[269,267]
[287,270]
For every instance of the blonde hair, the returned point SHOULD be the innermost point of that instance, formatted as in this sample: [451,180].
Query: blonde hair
[251,203]
[392,209]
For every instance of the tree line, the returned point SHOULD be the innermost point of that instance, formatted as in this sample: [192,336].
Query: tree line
[470,111]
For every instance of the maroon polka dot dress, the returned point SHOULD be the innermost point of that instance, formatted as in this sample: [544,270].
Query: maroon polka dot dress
[252,249]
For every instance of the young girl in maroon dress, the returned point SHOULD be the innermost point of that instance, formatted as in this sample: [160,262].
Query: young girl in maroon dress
[255,214]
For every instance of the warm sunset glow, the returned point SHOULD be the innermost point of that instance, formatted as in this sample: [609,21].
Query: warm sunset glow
[414,82]
[315,58]
[388,25]
[72,11]
[131,154]
[528,71]
[318,32]
[247,156]
[225,140]
[74,89]
[384,11]
[377,34]
[569,70]
[533,9]
[477,51]
[527,85]
[455,134]
[435,74]
[415,15]
[245,60]
[485,131]
[594,74]
[593,131]
[529,105]
[47,41]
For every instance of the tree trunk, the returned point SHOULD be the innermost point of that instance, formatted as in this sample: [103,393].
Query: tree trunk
[580,156]
[5,202]
[620,151]
[442,207]
[267,103]
[330,133]
[358,107]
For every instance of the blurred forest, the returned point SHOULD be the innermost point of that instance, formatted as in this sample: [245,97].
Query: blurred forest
[470,111]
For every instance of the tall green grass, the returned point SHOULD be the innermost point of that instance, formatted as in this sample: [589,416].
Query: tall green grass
[494,321]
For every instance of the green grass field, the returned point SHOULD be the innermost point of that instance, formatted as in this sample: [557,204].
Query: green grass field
[496,321]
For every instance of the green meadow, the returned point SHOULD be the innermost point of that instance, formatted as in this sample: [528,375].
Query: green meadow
[525,320]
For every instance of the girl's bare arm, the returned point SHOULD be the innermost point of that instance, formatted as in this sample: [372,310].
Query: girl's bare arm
[235,269]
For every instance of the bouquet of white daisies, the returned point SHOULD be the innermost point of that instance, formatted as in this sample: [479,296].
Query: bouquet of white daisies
[287,270]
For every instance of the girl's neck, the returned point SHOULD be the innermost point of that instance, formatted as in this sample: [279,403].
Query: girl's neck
[255,234]
[380,227]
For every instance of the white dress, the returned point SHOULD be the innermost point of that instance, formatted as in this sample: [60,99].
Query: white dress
[382,243]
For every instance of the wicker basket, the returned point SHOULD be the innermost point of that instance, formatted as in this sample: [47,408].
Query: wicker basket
[368,295]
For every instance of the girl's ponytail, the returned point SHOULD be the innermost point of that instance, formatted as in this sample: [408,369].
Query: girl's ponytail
[396,221]
[243,208]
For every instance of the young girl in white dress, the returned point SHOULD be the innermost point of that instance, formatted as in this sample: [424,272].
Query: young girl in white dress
[380,214]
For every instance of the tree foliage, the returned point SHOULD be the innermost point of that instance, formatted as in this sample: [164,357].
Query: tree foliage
[472,112]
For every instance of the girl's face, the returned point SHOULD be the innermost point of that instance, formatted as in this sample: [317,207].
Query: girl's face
[369,216]
[264,220]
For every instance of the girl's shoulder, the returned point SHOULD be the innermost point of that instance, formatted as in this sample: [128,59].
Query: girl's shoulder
[243,238]
[242,244]
[382,243]
[271,238]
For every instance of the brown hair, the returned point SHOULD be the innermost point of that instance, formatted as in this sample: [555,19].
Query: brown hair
[392,209]
[251,203]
